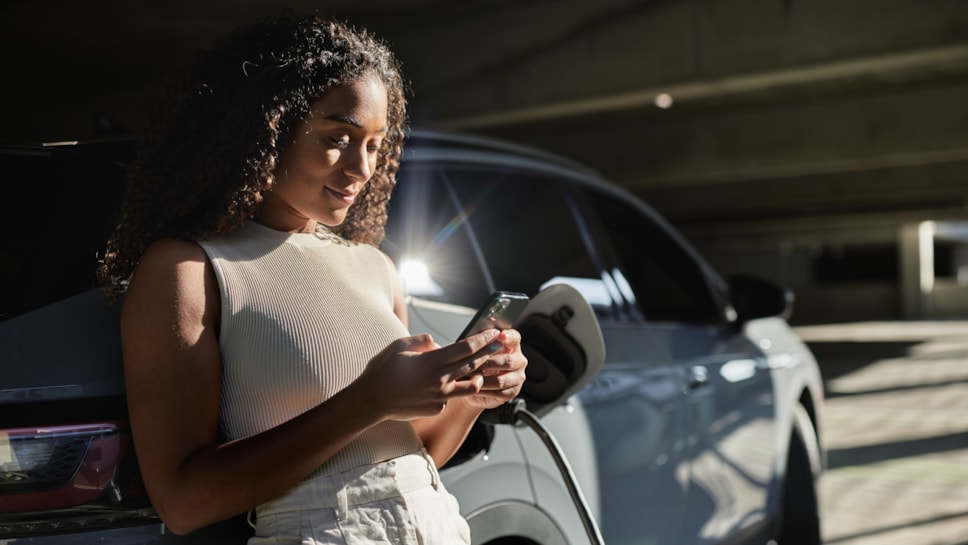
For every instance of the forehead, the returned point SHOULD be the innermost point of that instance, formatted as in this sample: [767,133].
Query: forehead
[363,101]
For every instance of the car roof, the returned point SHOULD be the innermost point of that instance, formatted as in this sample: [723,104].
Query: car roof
[422,146]
[453,142]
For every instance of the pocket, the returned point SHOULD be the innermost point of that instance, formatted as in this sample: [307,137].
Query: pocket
[380,522]
[463,530]
[322,527]
[277,529]
[437,517]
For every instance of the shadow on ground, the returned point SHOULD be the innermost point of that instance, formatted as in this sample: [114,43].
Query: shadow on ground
[881,452]
[905,526]
[840,358]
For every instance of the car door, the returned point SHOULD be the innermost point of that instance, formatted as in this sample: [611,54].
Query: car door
[531,234]
[678,312]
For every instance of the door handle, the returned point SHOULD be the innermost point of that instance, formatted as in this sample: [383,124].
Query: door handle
[698,376]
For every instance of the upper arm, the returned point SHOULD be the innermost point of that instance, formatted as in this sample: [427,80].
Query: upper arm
[172,361]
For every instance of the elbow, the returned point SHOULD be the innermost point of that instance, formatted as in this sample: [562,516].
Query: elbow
[177,523]
[178,518]
[178,530]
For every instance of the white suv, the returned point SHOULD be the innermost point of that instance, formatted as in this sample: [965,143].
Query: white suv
[702,427]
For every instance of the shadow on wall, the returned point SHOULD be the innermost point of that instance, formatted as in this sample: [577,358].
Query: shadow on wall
[845,303]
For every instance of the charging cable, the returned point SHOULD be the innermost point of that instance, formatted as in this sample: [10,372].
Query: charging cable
[516,411]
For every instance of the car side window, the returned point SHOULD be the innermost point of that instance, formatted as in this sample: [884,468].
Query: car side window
[428,240]
[528,233]
[666,281]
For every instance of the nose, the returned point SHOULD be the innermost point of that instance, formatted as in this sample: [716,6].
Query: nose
[358,163]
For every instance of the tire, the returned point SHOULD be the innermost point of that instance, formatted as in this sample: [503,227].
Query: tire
[800,517]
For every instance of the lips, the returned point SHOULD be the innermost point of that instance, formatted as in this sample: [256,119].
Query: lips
[345,197]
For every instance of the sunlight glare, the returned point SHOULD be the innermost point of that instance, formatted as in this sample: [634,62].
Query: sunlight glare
[416,279]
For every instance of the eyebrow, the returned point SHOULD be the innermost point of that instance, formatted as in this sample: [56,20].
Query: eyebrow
[351,121]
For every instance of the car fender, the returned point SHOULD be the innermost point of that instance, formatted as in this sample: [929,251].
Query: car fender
[794,371]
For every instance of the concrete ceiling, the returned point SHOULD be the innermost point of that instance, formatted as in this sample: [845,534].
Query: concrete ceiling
[789,119]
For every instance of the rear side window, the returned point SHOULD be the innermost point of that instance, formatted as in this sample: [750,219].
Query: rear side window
[477,229]
[430,241]
[56,215]
[667,282]
[529,234]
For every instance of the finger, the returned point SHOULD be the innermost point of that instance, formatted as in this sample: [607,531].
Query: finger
[504,363]
[465,356]
[511,339]
[489,340]
[416,343]
[470,385]
[503,381]
[464,348]
[465,369]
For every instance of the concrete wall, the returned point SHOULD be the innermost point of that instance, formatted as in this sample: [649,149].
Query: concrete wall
[796,126]
[790,128]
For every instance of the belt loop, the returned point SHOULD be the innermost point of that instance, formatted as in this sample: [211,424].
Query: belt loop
[432,468]
[342,507]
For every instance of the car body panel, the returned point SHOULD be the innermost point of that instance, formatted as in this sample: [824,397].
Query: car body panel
[681,438]
[67,350]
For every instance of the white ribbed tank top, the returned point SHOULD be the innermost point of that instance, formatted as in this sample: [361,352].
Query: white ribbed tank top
[302,314]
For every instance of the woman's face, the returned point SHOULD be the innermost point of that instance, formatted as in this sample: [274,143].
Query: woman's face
[331,157]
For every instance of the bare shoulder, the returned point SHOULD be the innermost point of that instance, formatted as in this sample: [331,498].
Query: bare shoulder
[170,253]
[173,279]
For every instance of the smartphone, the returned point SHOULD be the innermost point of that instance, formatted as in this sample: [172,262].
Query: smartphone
[500,312]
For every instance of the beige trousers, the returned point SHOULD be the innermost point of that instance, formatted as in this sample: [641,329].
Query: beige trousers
[400,501]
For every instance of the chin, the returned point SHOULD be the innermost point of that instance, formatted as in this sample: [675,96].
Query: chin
[332,221]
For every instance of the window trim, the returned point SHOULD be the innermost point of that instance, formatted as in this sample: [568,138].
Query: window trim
[714,286]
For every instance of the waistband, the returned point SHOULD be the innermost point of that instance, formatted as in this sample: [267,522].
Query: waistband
[359,485]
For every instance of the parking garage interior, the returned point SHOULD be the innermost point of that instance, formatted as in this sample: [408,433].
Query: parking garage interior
[811,142]
[822,144]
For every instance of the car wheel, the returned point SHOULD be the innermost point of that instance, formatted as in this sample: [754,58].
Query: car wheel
[800,522]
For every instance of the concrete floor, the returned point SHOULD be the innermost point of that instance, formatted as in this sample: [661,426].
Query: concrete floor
[896,430]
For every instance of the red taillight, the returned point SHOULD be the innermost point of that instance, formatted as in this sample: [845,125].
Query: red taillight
[68,476]
[57,467]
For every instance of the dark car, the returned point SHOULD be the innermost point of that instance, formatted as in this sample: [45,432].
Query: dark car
[702,427]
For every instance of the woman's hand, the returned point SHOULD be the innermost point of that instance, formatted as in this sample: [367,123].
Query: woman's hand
[503,373]
[414,377]
[489,376]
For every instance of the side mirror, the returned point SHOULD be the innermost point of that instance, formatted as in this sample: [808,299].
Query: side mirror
[754,297]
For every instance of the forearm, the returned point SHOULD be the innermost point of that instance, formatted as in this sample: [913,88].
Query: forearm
[217,482]
[444,433]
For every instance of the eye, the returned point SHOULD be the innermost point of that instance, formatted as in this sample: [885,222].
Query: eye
[374,146]
[340,142]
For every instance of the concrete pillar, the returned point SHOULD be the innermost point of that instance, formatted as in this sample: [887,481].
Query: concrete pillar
[916,253]
[961,264]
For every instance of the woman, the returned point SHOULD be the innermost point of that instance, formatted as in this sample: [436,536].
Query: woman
[267,360]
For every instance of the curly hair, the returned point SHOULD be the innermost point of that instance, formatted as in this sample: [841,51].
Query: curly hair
[205,161]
